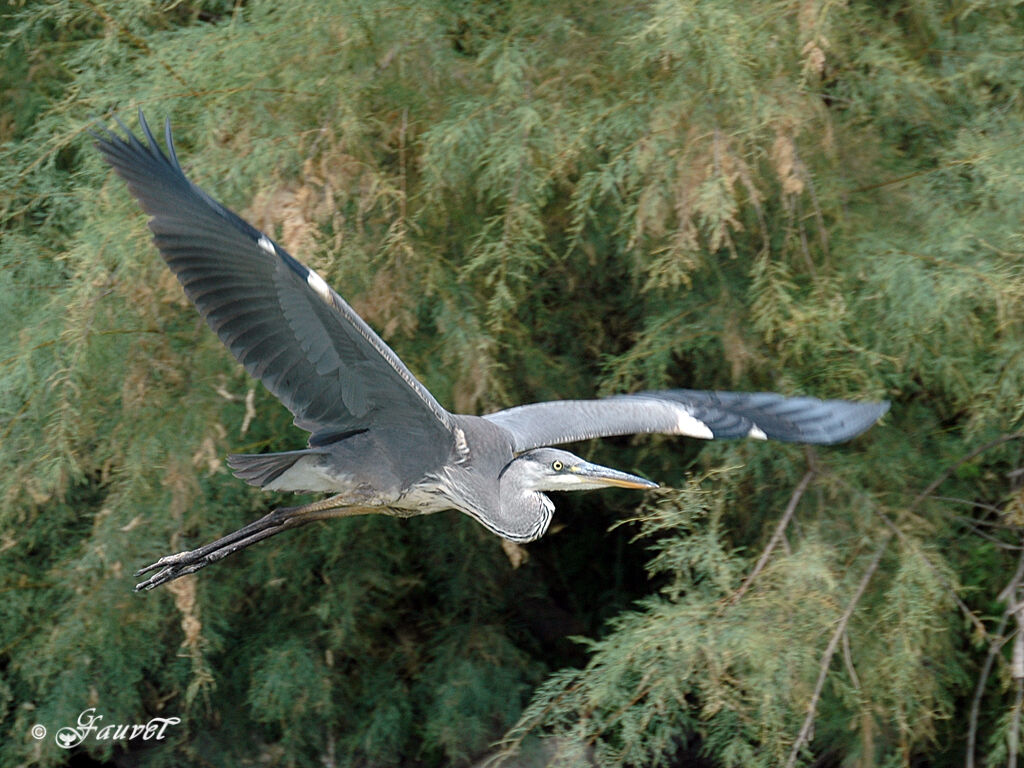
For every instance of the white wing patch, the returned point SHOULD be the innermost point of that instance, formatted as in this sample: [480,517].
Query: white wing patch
[266,245]
[757,433]
[690,426]
[461,446]
[314,281]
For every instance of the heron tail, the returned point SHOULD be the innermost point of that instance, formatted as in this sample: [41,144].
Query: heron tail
[261,469]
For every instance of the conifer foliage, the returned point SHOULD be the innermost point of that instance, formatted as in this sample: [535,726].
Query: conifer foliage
[529,200]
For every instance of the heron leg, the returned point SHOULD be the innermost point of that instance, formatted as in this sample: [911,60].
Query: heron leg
[282,519]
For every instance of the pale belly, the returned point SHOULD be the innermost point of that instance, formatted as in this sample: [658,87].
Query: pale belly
[311,475]
[422,499]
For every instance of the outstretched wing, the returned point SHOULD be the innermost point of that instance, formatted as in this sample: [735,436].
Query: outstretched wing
[279,318]
[694,413]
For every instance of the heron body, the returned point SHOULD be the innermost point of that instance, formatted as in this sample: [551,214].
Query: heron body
[479,477]
[379,442]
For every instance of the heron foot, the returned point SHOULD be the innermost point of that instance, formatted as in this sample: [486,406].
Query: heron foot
[183,563]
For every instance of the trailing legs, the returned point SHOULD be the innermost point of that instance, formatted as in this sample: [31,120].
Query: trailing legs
[282,519]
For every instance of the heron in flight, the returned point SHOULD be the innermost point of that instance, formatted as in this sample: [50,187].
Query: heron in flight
[379,442]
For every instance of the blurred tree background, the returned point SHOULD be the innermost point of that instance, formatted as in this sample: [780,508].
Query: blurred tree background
[529,200]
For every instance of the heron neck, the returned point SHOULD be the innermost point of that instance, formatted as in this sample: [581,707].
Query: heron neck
[525,516]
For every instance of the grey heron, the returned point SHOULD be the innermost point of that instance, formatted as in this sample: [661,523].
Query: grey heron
[379,442]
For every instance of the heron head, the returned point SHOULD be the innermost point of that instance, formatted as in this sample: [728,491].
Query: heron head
[551,469]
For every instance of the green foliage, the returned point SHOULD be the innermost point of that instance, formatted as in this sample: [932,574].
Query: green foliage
[529,200]
[689,660]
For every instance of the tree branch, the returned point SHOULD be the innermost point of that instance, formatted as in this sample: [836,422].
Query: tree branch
[986,669]
[805,731]
[780,530]
[1009,596]
[953,467]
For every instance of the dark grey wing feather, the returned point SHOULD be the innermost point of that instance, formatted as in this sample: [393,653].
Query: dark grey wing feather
[694,413]
[278,317]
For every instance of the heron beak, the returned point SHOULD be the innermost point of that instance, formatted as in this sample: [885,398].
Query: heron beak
[595,476]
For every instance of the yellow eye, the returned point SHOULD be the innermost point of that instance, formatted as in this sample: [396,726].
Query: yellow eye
[557,465]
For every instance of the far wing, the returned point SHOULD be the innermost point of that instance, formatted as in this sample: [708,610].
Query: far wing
[694,413]
[278,317]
